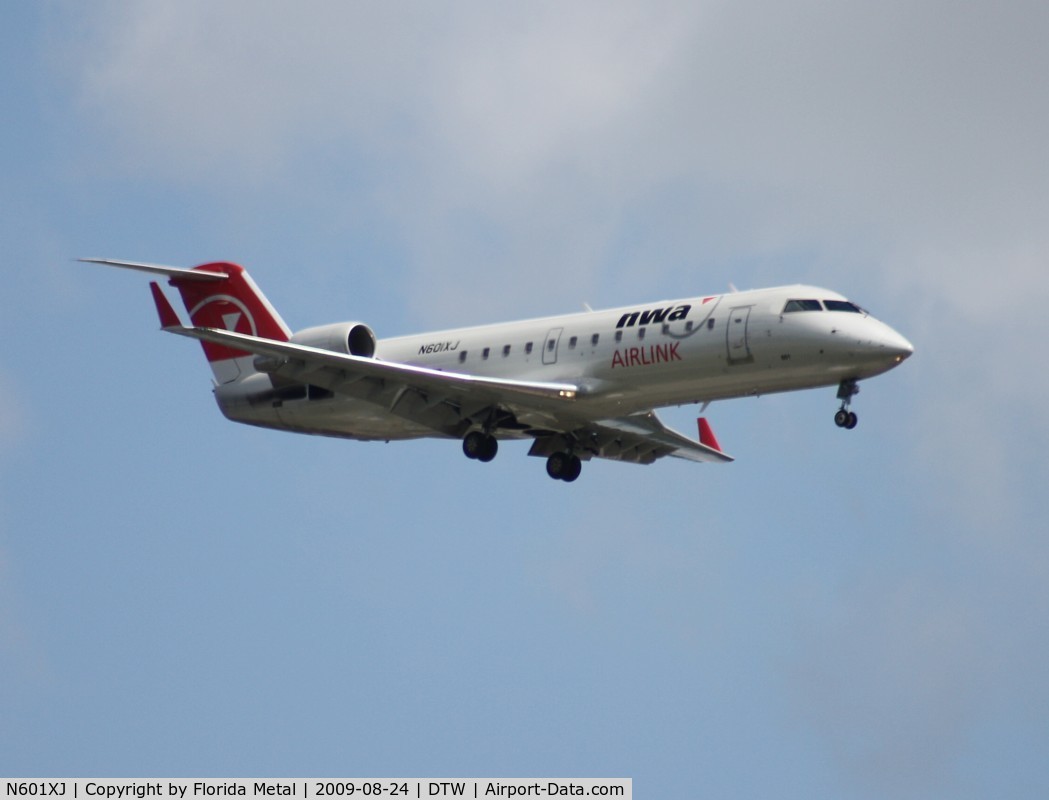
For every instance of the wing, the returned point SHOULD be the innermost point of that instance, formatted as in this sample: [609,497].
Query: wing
[666,441]
[390,383]
[638,438]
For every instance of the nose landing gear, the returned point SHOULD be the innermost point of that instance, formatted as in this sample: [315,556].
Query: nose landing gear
[844,418]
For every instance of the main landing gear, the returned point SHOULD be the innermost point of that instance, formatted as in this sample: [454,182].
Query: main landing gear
[481,446]
[844,418]
[564,466]
[560,466]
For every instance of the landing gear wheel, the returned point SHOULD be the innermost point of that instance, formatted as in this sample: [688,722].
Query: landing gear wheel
[563,467]
[473,444]
[844,418]
[572,469]
[491,447]
[480,446]
[555,465]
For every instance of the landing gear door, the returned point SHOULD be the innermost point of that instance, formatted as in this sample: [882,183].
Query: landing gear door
[553,337]
[736,336]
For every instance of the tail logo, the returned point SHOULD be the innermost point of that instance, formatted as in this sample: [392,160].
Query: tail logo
[214,312]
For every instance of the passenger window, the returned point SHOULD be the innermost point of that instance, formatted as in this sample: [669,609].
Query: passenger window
[688,326]
[593,339]
[550,344]
[462,357]
[710,324]
[619,336]
[640,333]
[572,342]
[506,350]
[485,352]
[528,348]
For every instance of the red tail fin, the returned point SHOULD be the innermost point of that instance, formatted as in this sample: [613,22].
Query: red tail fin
[233,304]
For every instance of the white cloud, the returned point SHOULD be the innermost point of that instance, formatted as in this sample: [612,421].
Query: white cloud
[812,125]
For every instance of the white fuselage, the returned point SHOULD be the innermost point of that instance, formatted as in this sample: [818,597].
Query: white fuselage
[625,360]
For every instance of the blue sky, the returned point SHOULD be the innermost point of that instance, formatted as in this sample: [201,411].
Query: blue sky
[833,615]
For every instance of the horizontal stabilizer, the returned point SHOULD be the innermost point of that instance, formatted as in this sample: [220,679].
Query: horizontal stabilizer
[159,269]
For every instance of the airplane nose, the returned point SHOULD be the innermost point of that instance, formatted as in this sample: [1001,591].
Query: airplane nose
[896,346]
[873,342]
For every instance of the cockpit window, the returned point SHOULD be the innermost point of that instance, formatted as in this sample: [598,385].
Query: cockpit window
[802,305]
[842,305]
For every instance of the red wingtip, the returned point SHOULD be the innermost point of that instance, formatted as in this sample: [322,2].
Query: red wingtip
[168,317]
[706,435]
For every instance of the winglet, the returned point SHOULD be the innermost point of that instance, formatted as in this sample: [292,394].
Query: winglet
[168,317]
[706,435]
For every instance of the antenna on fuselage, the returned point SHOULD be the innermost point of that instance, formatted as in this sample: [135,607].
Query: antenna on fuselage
[586,305]
[732,288]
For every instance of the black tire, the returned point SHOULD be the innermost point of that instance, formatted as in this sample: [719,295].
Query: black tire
[556,464]
[850,423]
[491,447]
[572,469]
[474,444]
[841,419]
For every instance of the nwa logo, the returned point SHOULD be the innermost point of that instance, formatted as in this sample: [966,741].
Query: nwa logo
[653,316]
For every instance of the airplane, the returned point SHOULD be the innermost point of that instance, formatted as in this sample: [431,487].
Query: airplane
[580,386]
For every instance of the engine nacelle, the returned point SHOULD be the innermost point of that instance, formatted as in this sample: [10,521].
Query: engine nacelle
[351,338]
